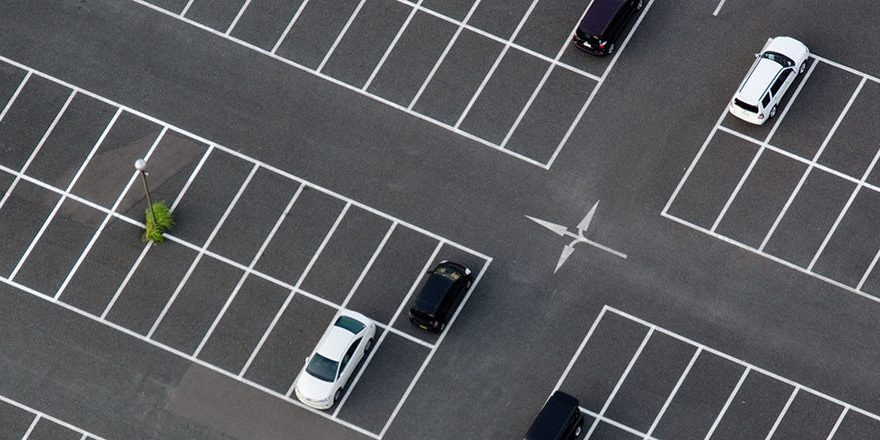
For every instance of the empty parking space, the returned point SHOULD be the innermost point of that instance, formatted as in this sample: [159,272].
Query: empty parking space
[792,204]
[253,272]
[383,382]
[346,255]
[217,14]
[549,26]
[857,426]
[500,17]
[802,230]
[854,242]
[315,31]
[762,197]
[447,93]
[28,117]
[19,421]
[263,21]
[11,80]
[412,59]
[297,240]
[367,40]
[819,104]
[551,113]
[720,168]
[396,269]
[503,97]
[673,387]
[249,223]
[453,9]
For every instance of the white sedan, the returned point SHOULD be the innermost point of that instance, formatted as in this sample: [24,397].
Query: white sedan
[774,70]
[327,371]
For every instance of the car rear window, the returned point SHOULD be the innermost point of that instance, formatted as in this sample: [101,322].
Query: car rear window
[350,324]
[745,106]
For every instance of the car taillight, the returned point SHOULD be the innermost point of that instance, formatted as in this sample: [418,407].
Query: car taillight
[602,44]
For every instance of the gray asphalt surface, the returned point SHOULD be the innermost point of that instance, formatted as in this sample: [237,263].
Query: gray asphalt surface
[114,358]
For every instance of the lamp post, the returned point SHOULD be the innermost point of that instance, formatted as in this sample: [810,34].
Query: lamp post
[141,166]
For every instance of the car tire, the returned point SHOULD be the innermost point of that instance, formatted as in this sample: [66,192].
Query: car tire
[442,327]
[772,112]
[639,6]
[802,68]
[337,396]
[610,49]
[577,431]
[369,345]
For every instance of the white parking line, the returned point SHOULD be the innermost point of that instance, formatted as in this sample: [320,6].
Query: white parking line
[595,90]
[148,246]
[810,167]
[673,393]
[430,355]
[253,263]
[15,94]
[30,429]
[403,28]
[498,59]
[761,149]
[39,146]
[616,424]
[443,55]
[237,17]
[63,197]
[782,413]
[620,382]
[185,9]
[107,218]
[389,325]
[283,34]
[733,393]
[341,35]
[718,9]
[198,257]
[837,423]
[43,416]
[293,291]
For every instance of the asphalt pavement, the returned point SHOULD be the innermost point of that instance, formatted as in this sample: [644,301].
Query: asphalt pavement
[323,155]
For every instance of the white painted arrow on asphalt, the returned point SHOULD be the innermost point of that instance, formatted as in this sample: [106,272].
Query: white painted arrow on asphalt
[581,227]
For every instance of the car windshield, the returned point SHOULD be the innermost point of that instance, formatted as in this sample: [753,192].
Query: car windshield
[779,58]
[448,272]
[350,324]
[745,106]
[322,368]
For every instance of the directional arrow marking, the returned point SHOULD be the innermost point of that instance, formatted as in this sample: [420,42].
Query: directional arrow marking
[566,252]
[585,223]
[557,229]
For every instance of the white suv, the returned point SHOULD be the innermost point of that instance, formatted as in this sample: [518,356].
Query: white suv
[774,70]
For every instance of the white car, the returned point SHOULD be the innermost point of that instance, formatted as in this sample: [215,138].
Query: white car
[774,70]
[327,371]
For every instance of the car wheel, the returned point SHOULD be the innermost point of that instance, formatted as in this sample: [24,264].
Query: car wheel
[773,112]
[639,7]
[369,345]
[337,396]
[577,431]
[802,68]
[611,49]
[442,327]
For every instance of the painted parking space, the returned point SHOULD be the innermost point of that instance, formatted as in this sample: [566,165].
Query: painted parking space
[255,270]
[380,50]
[19,421]
[790,204]
[659,384]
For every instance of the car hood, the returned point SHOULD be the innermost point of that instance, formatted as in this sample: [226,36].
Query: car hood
[313,388]
[789,47]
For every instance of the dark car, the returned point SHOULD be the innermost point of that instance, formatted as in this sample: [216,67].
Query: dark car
[560,419]
[603,24]
[437,300]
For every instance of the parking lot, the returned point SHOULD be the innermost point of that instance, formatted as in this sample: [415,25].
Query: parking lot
[800,190]
[639,380]
[19,421]
[257,268]
[322,156]
[497,72]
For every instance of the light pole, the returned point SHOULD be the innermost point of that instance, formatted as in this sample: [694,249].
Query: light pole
[141,166]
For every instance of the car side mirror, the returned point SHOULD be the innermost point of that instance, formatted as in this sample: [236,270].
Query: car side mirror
[307,359]
[757,55]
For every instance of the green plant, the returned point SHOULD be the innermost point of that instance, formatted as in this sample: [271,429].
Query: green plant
[163,222]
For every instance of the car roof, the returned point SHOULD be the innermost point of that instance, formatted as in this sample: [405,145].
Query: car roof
[762,74]
[554,416]
[335,342]
[599,16]
[433,292]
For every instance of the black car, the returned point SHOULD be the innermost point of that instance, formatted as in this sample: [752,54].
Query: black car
[603,24]
[437,300]
[559,419]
